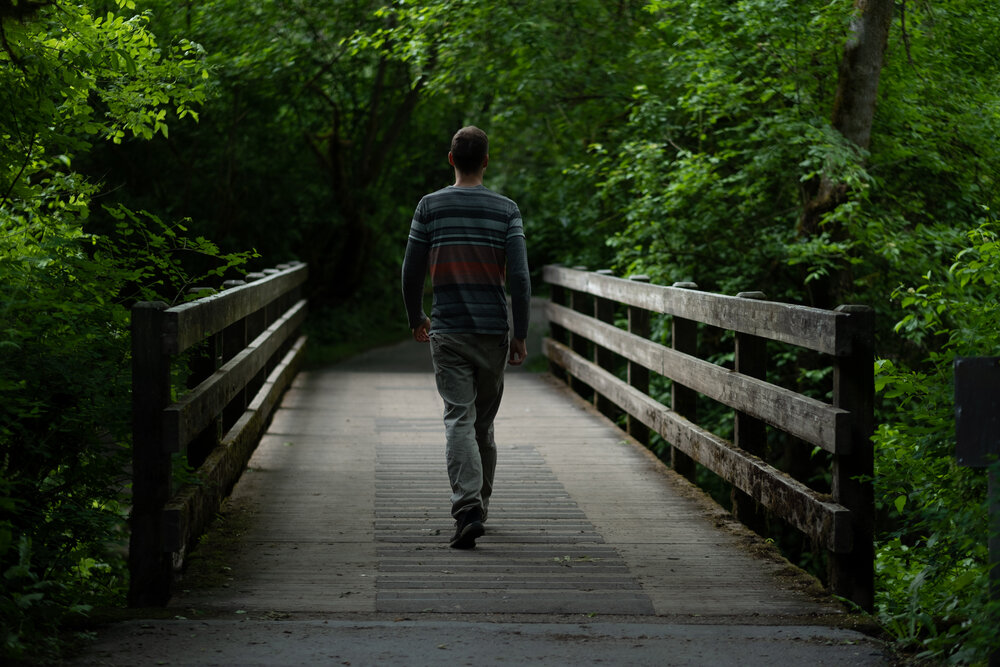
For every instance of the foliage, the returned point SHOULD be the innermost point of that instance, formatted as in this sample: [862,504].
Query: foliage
[71,77]
[933,558]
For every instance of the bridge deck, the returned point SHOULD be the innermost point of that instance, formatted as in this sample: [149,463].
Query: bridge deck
[344,508]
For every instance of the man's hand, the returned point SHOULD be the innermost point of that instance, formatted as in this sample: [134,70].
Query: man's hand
[422,333]
[518,351]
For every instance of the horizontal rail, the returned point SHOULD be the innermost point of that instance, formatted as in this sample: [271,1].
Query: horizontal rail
[195,505]
[825,521]
[809,419]
[183,420]
[825,331]
[251,351]
[192,322]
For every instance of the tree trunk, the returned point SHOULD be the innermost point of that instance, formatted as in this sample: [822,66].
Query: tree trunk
[857,84]
[853,113]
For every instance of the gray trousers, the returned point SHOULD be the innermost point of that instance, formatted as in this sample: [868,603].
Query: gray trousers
[468,369]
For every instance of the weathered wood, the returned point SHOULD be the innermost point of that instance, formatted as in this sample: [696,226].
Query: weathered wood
[809,419]
[192,508]
[183,420]
[683,398]
[827,522]
[192,322]
[234,339]
[229,371]
[749,433]
[581,303]
[558,296]
[604,310]
[639,322]
[852,575]
[149,567]
[347,510]
[810,328]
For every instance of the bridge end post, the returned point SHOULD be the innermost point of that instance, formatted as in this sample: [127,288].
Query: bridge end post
[150,565]
[852,575]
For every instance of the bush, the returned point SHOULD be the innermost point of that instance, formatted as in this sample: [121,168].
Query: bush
[932,561]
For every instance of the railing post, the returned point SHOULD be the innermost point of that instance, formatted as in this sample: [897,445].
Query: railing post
[256,324]
[150,565]
[578,301]
[234,340]
[604,310]
[201,367]
[638,375]
[557,332]
[749,434]
[683,401]
[852,575]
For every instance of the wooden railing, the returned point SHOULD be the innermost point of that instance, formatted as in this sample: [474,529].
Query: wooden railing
[239,349]
[585,348]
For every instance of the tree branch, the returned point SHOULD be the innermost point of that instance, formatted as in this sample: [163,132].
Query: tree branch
[13,182]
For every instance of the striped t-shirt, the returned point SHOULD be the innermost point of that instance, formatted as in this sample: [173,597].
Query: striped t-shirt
[472,241]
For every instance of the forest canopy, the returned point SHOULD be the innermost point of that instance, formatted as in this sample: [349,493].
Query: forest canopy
[823,152]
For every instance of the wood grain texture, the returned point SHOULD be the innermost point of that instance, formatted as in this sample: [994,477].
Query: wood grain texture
[811,328]
[346,502]
[192,322]
[189,512]
[825,521]
[183,420]
[809,419]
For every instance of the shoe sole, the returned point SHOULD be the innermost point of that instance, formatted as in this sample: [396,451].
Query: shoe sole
[472,532]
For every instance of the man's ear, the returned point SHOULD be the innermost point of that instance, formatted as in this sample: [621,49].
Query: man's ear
[486,161]
[451,158]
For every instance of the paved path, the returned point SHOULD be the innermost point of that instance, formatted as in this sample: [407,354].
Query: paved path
[594,550]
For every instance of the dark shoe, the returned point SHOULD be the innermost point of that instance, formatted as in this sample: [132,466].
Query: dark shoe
[469,527]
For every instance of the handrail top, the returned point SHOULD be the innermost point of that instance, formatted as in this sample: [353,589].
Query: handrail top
[188,323]
[229,292]
[834,332]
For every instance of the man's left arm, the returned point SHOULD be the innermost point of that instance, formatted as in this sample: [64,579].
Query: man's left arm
[412,281]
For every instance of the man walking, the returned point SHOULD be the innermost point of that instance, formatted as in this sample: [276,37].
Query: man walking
[472,241]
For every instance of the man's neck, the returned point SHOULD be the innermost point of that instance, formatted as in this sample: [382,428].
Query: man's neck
[468,180]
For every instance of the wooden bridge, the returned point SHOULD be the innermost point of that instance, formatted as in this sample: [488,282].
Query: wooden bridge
[343,506]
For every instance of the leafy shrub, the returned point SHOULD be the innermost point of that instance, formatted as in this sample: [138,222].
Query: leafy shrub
[71,78]
[932,561]
[65,407]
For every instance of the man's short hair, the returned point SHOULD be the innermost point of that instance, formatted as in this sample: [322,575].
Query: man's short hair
[469,148]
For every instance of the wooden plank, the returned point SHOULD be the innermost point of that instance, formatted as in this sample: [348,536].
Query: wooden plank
[812,328]
[683,398]
[813,421]
[789,499]
[192,509]
[749,433]
[183,420]
[357,451]
[192,322]
[639,322]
